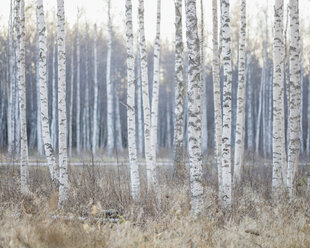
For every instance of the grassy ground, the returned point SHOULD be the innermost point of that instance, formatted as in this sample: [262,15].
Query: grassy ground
[254,220]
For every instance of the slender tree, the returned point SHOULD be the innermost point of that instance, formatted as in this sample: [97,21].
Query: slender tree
[110,115]
[277,96]
[43,91]
[95,109]
[194,108]
[150,169]
[217,94]
[156,77]
[294,104]
[71,101]
[62,124]
[131,119]
[78,91]
[179,165]
[54,101]
[239,141]
[226,135]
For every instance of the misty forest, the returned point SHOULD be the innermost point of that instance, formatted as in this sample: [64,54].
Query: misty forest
[108,140]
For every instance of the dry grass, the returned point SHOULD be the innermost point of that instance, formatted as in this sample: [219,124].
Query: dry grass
[254,221]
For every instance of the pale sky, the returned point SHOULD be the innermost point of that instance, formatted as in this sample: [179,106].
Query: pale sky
[96,11]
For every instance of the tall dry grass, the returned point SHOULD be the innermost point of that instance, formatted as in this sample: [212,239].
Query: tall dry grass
[255,220]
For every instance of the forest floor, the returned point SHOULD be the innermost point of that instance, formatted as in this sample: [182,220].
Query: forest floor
[255,220]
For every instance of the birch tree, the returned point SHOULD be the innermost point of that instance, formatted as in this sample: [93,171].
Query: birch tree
[62,124]
[277,96]
[71,101]
[43,91]
[294,104]
[131,118]
[194,108]
[78,91]
[156,77]
[95,109]
[217,94]
[150,169]
[179,93]
[239,141]
[20,32]
[109,86]
[54,102]
[226,134]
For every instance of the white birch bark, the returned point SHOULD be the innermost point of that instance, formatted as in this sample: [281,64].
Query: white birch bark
[179,165]
[62,123]
[294,104]
[86,125]
[20,31]
[150,169]
[43,91]
[249,99]
[239,140]
[260,109]
[54,103]
[139,103]
[194,108]
[95,109]
[110,115]
[156,78]
[226,136]
[131,118]
[277,96]
[217,95]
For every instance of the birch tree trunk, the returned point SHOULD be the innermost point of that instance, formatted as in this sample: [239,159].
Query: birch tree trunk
[294,104]
[179,165]
[150,169]
[131,118]
[20,31]
[277,96]
[308,119]
[109,87]
[95,109]
[226,137]
[239,141]
[62,124]
[43,91]
[118,126]
[154,110]
[250,116]
[139,103]
[54,103]
[217,95]
[204,133]
[194,108]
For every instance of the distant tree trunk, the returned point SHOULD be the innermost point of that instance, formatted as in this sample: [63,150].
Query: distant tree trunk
[71,101]
[226,136]
[78,91]
[95,109]
[43,91]
[110,91]
[301,133]
[239,141]
[194,108]
[131,119]
[217,95]
[62,124]
[118,126]
[168,118]
[260,109]
[156,78]
[150,169]
[277,96]
[11,112]
[249,100]
[179,165]
[54,103]
[20,31]
[86,125]
[294,104]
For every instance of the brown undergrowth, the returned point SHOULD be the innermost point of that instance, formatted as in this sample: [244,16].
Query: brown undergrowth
[254,220]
